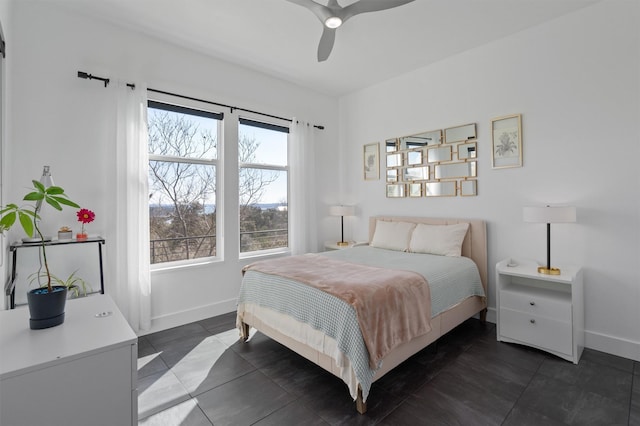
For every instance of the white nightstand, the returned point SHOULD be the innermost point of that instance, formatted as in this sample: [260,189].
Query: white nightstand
[542,311]
[333,245]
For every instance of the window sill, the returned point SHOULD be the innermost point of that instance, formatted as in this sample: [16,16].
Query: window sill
[183,264]
[265,253]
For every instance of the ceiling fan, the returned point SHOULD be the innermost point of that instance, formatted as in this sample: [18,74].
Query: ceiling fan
[333,16]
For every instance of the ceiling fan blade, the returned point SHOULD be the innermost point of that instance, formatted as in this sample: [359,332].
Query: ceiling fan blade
[369,6]
[326,43]
[321,11]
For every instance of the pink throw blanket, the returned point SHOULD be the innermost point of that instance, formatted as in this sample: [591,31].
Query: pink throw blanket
[392,306]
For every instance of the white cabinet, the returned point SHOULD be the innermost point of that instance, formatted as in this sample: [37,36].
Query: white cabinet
[542,311]
[82,372]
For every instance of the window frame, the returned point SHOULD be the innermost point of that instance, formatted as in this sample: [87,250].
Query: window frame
[268,125]
[171,104]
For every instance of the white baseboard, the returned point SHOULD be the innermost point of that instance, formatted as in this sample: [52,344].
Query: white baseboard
[612,345]
[176,319]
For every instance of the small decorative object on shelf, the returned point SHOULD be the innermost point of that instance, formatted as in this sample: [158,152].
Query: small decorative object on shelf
[65,233]
[84,216]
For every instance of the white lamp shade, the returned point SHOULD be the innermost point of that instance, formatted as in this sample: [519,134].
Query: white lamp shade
[46,178]
[342,210]
[549,214]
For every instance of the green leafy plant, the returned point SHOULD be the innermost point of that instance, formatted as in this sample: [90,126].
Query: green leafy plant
[75,285]
[28,217]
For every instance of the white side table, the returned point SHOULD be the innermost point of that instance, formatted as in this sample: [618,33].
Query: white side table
[333,245]
[82,372]
[538,310]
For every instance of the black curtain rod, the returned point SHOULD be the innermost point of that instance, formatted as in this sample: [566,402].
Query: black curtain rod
[87,76]
[232,108]
[82,74]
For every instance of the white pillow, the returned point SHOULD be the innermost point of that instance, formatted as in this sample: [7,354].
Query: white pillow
[392,235]
[445,240]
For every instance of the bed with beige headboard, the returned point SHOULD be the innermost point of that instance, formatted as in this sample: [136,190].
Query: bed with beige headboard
[289,309]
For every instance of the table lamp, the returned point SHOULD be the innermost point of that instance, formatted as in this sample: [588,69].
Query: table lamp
[342,211]
[549,215]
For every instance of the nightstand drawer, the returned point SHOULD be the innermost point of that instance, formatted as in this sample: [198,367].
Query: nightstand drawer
[543,332]
[537,302]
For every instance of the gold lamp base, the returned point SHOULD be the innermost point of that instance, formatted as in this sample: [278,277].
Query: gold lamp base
[548,271]
[342,243]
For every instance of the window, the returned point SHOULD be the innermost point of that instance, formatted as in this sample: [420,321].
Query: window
[263,186]
[183,155]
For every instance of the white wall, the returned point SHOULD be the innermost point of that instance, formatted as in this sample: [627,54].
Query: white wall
[575,80]
[69,123]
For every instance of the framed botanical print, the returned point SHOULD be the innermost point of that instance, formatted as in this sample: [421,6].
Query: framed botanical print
[506,141]
[371,161]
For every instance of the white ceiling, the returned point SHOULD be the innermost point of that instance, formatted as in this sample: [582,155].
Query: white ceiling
[280,38]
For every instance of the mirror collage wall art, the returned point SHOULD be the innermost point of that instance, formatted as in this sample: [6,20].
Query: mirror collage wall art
[436,163]
[442,163]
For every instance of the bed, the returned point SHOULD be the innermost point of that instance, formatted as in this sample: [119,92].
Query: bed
[411,296]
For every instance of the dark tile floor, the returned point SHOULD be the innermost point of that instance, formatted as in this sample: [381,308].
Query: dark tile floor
[201,374]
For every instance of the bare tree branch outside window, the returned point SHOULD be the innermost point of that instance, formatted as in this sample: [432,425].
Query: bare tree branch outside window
[182,183]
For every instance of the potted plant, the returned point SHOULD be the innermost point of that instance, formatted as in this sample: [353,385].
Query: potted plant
[46,304]
[75,285]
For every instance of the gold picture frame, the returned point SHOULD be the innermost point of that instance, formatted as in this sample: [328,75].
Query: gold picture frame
[506,141]
[371,161]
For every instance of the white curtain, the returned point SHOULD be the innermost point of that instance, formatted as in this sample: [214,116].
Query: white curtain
[302,206]
[132,283]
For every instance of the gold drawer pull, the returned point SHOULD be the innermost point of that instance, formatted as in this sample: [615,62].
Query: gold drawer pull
[532,321]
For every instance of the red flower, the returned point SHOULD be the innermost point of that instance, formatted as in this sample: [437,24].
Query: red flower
[86,216]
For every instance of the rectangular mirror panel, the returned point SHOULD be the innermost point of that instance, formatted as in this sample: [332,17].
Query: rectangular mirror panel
[415,190]
[442,153]
[468,188]
[460,133]
[455,170]
[395,190]
[416,173]
[414,157]
[440,189]
[394,160]
[392,175]
[391,145]
[433,137]
[467,150]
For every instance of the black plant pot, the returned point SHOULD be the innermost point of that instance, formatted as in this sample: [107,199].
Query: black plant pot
[46,309]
